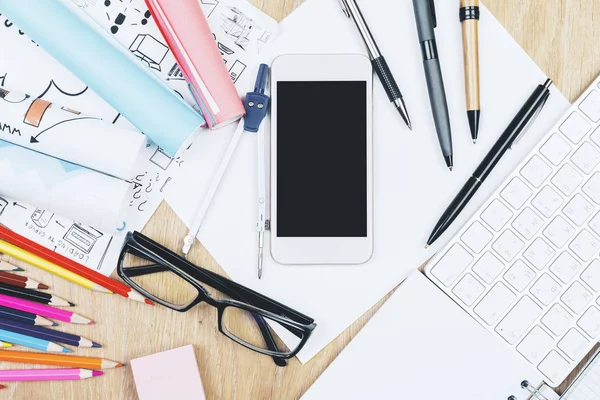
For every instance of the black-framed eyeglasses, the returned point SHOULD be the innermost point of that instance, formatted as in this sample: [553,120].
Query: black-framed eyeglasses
[245,316]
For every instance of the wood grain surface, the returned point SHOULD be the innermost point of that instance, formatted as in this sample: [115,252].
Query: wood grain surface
[559,35]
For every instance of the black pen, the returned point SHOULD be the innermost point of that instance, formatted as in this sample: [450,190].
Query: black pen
[515,130]
[351,10]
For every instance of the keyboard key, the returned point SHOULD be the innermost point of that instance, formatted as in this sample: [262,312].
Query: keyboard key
[573,344]
[545,289]
[454,262]
[595,224]
[557,319]
[590,322]
[591,275]
[494,303]
[476,237]
[536,171]
[519,276]
[508,245]
[496,215]
[585,245]
[592,188]
[559,231]
[536,345]
[539,253]
[590,106]
[565,267]
[567,180]
[547,201]
[518,320]
[528,223]
[576,297]
[516,193]
[555,149]
[586,158]
[575,127]
[578,210]
[554,367]
[468,289]
[595,136]
[488,267]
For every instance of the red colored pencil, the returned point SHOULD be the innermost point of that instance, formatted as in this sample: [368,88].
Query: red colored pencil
[62,261]
[21,281]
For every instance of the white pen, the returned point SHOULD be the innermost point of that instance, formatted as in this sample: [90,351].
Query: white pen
[256,104]
[262,218]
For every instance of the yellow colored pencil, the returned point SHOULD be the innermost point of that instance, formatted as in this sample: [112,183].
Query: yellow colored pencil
[47,266]
[4,344]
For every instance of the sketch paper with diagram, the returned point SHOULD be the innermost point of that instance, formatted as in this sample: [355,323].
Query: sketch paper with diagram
[26,68]
[62,187]
[68,135]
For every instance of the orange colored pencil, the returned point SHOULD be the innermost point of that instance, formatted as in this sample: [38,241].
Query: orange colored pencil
[59,360]
[25,244]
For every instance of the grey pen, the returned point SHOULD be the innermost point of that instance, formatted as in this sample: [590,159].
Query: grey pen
[426,22]
[351,10]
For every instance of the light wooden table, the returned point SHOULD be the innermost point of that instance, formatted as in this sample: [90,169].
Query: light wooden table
[562,38]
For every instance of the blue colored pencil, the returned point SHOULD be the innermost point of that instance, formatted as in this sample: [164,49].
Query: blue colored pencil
[31,342]
[24,317]
[46,334]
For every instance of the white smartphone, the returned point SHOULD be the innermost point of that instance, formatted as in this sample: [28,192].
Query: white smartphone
[321,159]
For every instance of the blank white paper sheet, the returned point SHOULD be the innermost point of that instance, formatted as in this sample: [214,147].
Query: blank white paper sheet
[412,185]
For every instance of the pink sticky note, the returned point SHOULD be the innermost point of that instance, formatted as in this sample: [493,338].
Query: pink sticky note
[171,374]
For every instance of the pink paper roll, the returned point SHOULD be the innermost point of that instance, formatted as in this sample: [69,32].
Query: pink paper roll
[186,30]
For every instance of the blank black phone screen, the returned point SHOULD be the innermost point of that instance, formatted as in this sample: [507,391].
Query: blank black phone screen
[322,159]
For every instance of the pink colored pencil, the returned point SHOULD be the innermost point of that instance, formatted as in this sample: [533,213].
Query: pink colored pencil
[43,310]
[56,374]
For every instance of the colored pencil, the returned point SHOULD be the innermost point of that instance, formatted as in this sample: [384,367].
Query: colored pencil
[56,374]
[39,262]
[43,310]
[34,295]
[21,281]
[4,266]
[24,317]
[31,342]
[58,360]
[70,265]
[46,334]
[4,345]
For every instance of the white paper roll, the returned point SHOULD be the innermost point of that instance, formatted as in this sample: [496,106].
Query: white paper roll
[68,135]
[63,188]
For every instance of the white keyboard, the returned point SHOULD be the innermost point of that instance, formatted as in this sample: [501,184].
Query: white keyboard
[527,265]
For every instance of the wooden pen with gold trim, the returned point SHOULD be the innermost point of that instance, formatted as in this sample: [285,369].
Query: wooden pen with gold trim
[469,18]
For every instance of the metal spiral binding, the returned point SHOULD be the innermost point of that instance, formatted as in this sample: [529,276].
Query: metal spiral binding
[535,392]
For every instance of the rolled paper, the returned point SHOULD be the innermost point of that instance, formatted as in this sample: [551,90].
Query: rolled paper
[69,135]
[110,70]
[186,30]
[60,187]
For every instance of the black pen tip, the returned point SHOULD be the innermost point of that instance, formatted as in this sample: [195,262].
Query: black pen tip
[474,116]
[449,162]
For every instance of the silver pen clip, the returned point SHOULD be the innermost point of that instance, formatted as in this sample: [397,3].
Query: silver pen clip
[535,116]
[344,8]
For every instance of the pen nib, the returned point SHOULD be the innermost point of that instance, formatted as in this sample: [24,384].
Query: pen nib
[399,103]
[474,141]
[426,246]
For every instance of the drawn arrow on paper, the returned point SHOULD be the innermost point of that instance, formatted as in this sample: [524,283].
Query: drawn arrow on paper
[35,139]
[19,205]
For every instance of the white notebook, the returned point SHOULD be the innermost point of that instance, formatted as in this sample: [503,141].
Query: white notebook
[421,345]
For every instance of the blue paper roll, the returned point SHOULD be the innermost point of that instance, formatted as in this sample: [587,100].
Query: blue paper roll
[109,69]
